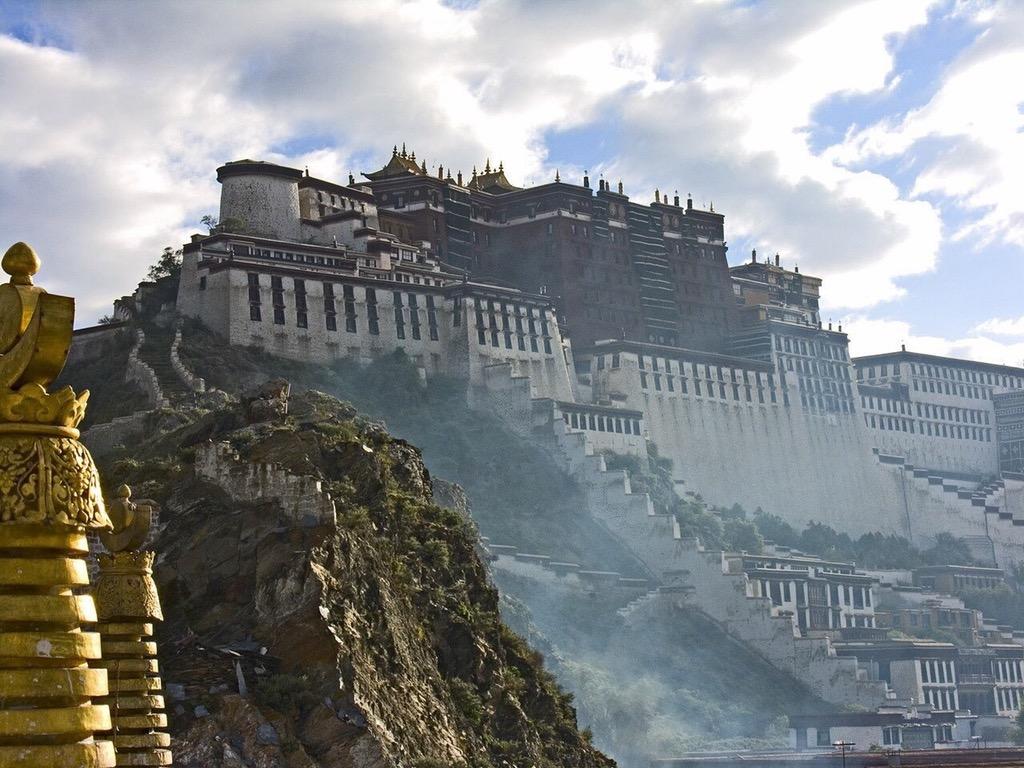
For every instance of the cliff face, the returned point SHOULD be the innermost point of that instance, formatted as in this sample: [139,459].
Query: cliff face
[369,637]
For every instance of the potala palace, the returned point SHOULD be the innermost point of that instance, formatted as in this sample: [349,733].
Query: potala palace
[626,321]
[594,324]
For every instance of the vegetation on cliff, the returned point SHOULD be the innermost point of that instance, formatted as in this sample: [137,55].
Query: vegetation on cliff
[518,495]
[373,641]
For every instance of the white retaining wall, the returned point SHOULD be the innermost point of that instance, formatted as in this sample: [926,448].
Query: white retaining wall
[302,498]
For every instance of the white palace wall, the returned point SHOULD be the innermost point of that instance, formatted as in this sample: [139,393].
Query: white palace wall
[450,345]
[809,466]
[747,441]
[799,465]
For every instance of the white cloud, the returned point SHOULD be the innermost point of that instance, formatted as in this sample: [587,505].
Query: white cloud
[976,117]
[870,336]
[107,150]
[1003,326]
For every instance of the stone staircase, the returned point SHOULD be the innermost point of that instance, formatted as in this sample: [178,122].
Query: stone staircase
[988,513]
[682,571]
[156,353]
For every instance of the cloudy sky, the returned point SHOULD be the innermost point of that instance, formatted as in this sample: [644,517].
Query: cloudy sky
[879,145]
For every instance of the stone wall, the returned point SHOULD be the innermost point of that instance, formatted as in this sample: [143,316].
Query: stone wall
[569,577]
[121,431]
[302,498]
[449,346]
[194,383]
[105,438]
[262,204]
[804,465]
[139,372]
[89,344]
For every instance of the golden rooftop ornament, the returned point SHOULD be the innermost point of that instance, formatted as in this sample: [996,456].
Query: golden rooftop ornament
[49,496]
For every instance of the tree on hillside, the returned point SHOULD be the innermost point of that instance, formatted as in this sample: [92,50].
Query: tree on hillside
[774,528]
[823,540]
[168,265]
[949,550]
[878,550]
[742,536]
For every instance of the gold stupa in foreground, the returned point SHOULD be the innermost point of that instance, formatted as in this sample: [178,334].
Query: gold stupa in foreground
[49,498]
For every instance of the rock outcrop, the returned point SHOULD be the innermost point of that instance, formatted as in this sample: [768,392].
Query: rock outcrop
[370,638]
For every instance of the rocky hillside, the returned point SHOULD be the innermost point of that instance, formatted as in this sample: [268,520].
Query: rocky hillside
[365,637]
[691,688]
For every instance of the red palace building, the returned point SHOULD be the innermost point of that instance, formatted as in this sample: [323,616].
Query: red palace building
[614,268]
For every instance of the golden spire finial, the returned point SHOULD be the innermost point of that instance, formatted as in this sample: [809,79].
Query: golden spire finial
[20,262]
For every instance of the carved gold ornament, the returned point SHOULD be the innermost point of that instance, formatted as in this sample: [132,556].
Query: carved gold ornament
[46,475]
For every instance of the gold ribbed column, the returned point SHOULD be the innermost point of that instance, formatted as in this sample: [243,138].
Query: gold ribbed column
[49,497]
[128,603]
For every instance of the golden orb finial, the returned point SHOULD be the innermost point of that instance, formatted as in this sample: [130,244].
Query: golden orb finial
[20,262]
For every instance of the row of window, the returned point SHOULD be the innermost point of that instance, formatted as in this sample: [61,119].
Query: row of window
[534,332]
[602,423]
[892,735]
[926,410]
[711,388]
[947,373]
[825,402]
[338,202]
[941,698]
[826,386]
[1008,699]
[811,348]
[710,372]
[945,387]
[239,249]
[840,595]
[816,367]
[961,374]
[936,671]
[1007,671]
[348,307]
[931,429]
